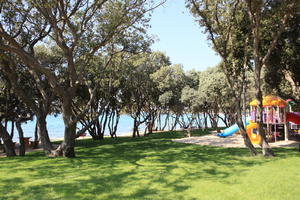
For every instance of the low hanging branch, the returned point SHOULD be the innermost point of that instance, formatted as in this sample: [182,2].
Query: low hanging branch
[86,127]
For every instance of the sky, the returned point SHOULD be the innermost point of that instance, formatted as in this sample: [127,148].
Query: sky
[181,38]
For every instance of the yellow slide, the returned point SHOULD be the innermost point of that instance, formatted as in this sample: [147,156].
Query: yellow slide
[253,133]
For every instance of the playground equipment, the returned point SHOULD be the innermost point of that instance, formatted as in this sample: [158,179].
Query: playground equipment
[276,120]
[231,130]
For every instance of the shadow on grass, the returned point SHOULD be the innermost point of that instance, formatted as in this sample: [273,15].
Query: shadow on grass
[150,167]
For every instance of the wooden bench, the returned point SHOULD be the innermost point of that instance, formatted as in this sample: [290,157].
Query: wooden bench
[26,141]
[34,144]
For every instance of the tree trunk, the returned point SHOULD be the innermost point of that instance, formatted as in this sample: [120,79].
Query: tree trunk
[205,120]
[67,147]
[5,123]
[247,141]
[266,149]
[107,114]
[255,20]
[7,142]
[36,137]
[198,120]
[116,124]
[293,83]
[242,128]
[135,128]
[110,123]
[224,120]
[12,129]
[43,134]
[100,133]
[150,124]
[159,121]
[21,138]
[165,123]
[214,122]
[175,122]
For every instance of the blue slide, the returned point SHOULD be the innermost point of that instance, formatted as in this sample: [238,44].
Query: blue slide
[231,130]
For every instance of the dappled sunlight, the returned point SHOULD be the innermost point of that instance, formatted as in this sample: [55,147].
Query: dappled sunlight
[149,167]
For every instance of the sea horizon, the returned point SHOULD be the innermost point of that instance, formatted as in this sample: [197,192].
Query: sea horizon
[55,126]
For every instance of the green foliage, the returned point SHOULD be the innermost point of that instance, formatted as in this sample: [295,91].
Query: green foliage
[169,77]
[191,99]
[227,27]
[79,38]
[170,80]
[151,167]
[214,92]
[212,84]
[139,87]
[192,78]
[11,107]
[285,60]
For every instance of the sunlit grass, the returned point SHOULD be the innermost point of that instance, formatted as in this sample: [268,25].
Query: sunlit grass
[151,167]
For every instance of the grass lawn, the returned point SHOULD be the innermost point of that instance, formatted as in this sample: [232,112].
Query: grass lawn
[151,167]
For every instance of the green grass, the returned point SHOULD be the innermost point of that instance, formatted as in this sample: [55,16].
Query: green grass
[151,167]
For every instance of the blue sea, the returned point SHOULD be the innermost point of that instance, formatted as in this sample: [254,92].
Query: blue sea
[55,127]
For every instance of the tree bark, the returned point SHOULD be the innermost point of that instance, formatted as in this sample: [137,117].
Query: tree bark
[205,120]
[255,19]
[67,147]
[100,131]
[295,87]
[150,124]
[12,129]
[166,121]
[111,122]
[266,148]
[36,137]
[242,128]
[21,138]
[213,120]
[107,114]
[175,122]
[115,128]
[7,142]
[43,134]
[135,128]
[40,109]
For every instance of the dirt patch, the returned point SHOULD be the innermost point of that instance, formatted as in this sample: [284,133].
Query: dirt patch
[29,149]
[235,141]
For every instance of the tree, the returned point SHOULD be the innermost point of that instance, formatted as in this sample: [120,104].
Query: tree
[6,105]
[140,92]
[170,80]
[283,75]
[33,89]
[191,99]
[15,111]
[80,29]
[109,72]
[226,26]
[259,13]
[215,93]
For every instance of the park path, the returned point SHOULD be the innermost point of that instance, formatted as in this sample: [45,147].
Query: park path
[234,141]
